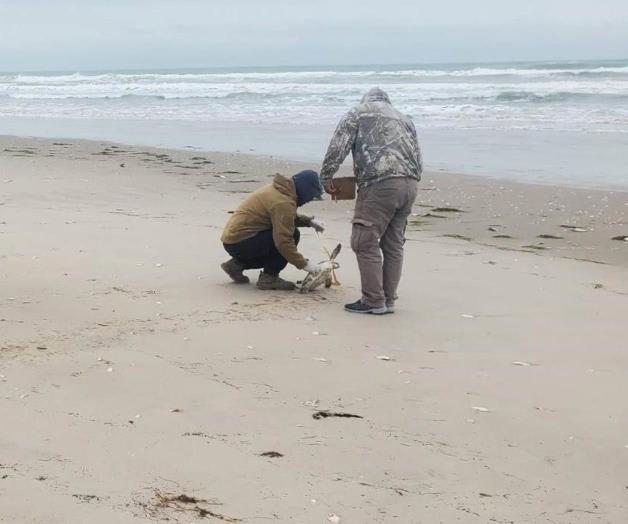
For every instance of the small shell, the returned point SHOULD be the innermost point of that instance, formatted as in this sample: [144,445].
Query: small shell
[480,409]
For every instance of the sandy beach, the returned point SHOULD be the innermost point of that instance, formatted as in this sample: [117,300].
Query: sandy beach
[138,385]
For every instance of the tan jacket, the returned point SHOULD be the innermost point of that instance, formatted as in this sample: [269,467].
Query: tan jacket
[271,207]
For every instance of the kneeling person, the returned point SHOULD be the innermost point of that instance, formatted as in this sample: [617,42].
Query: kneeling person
[263,232]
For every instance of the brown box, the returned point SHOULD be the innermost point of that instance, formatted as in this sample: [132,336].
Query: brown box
[345,188]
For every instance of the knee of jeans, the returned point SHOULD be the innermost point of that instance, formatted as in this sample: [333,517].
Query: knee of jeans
[392,248]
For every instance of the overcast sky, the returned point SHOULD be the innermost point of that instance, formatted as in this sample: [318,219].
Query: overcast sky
[119,34]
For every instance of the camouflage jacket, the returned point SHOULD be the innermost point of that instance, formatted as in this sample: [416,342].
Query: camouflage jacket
[383,141]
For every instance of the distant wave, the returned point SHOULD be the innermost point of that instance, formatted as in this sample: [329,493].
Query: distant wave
[560,96]
[245,96]
[554,95]
[311,76]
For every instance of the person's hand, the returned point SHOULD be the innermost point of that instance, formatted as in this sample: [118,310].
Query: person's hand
[330,189]
[319,226]
[314,269]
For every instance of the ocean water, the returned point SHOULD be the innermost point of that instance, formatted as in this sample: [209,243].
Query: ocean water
[493,119]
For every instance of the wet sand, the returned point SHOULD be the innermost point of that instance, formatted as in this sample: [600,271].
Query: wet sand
[132,372]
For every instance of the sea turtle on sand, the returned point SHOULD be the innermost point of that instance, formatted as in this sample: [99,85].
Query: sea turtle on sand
[326,275]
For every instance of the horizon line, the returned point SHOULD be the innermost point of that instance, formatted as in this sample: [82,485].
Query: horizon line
[315,66]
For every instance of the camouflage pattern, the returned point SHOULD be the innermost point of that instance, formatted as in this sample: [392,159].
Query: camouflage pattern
[383,141]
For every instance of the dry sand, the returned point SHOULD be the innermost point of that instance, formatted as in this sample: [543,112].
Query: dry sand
[131,370]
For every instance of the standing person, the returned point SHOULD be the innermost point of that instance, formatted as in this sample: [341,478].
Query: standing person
[387,164]
[263,232]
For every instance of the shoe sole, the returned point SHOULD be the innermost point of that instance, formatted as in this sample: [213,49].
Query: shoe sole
[379,312]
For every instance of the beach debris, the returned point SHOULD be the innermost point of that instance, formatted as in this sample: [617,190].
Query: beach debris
[491,228]
[312,403]
[457,237]
[176,410]
[623,238]
[502,236]
[551,237]
[521,363]
[327,414]
[196,434]
[192,504]
[86,498]
[480,409]
[485,495]
[466,315]
[537,247]
[447,210]
[598,286]
[577,229]
[316,333]
[383,357]
[333,518]
[271,454]
[320,359]
[109,370]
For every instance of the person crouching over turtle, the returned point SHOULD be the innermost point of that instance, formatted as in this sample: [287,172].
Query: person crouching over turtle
[263,232]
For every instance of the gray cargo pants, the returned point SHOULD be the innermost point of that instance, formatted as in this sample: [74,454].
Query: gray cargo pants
[379,226]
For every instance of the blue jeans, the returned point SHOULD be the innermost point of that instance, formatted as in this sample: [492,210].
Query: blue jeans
[260,252]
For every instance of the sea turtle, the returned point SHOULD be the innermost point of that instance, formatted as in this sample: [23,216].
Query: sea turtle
[325,276]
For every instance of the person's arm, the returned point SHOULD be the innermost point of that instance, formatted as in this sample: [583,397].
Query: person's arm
[303,221]
[339,147]
[282,217]
[419,156]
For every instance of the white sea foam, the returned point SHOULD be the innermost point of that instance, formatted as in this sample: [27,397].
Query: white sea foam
[574,95]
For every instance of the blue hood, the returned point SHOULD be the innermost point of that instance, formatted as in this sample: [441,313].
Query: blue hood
[308,187]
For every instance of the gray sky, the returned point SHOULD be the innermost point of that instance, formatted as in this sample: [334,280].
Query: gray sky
[117,34]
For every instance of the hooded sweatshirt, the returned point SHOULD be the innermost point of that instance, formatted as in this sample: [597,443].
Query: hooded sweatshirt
[308,186]
[383,141]
[273,206]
